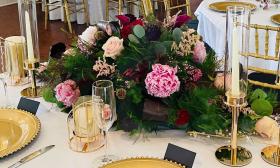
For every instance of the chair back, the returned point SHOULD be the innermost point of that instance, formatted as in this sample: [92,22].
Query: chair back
[170,6]
[145,6]
[264,37]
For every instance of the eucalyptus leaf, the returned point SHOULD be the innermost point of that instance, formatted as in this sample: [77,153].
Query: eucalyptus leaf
[177,34]
[133,39]
[160,49]
[139,31]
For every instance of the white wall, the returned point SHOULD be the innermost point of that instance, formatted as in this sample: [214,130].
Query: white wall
[7,2]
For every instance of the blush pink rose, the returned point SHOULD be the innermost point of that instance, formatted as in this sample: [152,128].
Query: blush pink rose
[162,81]
[113,47]
[199,53]
[67,92]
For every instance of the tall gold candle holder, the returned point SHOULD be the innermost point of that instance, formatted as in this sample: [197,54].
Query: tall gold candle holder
[28,26]
[236,68]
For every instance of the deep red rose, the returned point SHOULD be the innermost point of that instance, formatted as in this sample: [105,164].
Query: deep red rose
[127,29]
[183,117]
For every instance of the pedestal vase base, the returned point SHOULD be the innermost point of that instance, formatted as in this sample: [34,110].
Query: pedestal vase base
[240,157]
[271,154]
[30,93]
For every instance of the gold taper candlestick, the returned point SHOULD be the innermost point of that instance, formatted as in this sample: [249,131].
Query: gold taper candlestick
[233,155]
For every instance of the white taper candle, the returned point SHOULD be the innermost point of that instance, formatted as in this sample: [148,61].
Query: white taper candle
[29,41]
[235,63]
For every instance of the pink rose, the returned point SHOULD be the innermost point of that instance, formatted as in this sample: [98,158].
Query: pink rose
[199,53]
[88,36]
[113,47]
[107,112]
[162,81]
[219,81]
[67,92]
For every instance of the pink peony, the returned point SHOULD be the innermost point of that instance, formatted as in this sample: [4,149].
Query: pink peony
[67,92]
[199,53]
[162,81]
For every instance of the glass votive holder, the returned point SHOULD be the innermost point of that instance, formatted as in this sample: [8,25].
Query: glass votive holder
[14,55]
[84,134]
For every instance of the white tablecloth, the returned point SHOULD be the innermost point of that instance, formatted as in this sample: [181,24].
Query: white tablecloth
[212,27]
[54,131]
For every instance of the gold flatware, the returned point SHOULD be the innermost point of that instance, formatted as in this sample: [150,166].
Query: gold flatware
[222,6]
[17,129]
[31,156]
[276,18]
[143,163]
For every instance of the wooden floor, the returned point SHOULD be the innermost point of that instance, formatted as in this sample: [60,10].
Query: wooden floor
[9,26]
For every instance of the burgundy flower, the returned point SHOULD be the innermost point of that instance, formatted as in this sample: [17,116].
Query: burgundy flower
[183,118]
[124,20]
[194,73]
[128,73]
[127,29]
[182,19]
[127,23]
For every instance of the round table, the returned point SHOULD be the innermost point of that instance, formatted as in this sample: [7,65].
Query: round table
[212,27]
[54,132]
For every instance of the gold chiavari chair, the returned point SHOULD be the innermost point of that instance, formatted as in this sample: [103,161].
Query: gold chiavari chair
[69,8]
[144,5]
[266,73]
[170,5]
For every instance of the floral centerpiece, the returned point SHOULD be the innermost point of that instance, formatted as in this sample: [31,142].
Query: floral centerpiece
[162,72]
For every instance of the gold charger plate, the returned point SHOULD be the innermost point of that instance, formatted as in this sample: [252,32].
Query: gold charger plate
[17,129]
[222,6]
[142,163]
[276,18]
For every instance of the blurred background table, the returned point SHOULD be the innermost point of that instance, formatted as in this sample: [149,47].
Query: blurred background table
[212,27]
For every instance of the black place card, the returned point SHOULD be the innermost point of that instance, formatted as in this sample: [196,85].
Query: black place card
[28,105]
[180,155]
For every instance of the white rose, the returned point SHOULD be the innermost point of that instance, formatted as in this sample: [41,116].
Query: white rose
[88,35]
[113,47]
